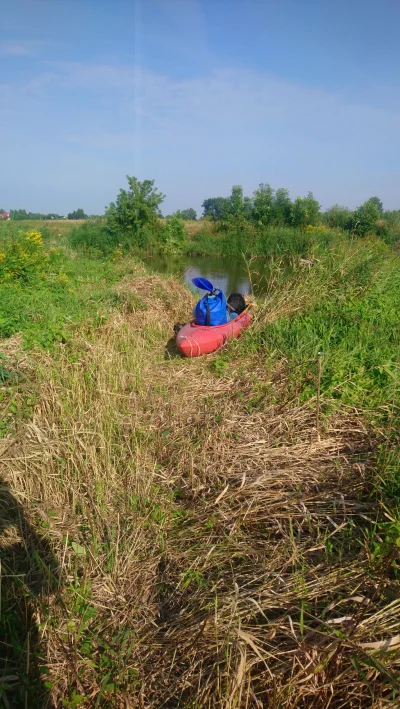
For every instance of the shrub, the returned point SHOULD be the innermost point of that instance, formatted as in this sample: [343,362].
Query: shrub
[94,237]
[305,211]
[366,217]
[173,235]
[22,254]
[338,217]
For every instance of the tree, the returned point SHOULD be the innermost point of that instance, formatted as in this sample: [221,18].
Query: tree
[18,214]
[173,234]
[338,217]
[236,205]
[263,202]
[2,211]
[305,211]
[78,214]
[378,203]
[366,216]
[215,207]
[135,208]
[282,207]
[188,214]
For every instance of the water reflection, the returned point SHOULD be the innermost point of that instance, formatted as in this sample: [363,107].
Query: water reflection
[228,274]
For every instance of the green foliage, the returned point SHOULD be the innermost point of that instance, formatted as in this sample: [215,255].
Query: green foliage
[46,308]
[338,217]
[378,203]
[135,209]
[263,202]
[391,233]
[365,218]
[215,207]
[22,254]
[173,235]
[77,214]
[266,208]
[282,206]
[18,214]
[354,325]
[305,211]
[188,214]
[95,237]
[23,215]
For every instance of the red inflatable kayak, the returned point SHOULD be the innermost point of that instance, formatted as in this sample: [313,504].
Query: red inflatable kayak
[195,340]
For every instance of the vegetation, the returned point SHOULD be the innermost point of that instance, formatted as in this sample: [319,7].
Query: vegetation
[44,292]
[135,209]
[19,215]
[186,214]
[213,533]
[77,214]
[267,224]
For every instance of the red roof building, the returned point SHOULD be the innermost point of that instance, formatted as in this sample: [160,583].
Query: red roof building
[5,215]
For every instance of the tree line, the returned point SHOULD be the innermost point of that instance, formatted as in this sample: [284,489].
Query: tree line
[138,206]
[22,214]
[269,207]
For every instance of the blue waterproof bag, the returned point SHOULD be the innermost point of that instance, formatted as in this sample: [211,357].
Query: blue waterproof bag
[211,309]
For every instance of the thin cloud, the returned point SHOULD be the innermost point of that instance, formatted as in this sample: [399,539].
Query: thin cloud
[233,125]
[15,49]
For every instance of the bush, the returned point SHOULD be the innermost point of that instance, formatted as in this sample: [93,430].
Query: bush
[135,210]
[22,254]
[365,218]
[305,211]
[173,235]
[94,237]
[338,217]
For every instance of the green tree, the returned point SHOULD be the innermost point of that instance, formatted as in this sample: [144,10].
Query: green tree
[18,214]
[378,203]
[263,204]
[215,207]
[135,208]
[189,214]
[338,217]
[282,207]
[365,217]
[173,234]
[305,211]
[236,203]
[78,214]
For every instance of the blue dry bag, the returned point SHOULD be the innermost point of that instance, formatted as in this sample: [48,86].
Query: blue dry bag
[211,309]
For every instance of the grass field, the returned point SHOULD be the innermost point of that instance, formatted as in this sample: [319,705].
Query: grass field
[222,532]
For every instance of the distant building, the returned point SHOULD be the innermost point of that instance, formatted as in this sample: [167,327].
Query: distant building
[5,215]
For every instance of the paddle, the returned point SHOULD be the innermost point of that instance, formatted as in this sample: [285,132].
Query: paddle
[203,284]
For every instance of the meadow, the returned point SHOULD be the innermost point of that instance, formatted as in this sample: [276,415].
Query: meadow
[221,532]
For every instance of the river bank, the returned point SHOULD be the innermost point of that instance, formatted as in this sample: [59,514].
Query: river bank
[211,533]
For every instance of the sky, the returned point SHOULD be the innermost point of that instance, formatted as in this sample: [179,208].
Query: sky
[198,95]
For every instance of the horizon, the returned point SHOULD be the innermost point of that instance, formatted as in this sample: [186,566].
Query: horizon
[198,96]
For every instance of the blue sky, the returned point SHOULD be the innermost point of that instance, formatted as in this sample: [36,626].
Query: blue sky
[198,95]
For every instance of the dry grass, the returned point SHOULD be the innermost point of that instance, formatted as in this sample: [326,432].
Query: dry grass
[202,555]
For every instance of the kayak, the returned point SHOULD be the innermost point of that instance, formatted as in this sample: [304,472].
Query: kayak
[194,340]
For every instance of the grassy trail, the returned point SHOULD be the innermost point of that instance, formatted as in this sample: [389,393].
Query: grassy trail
[221,532]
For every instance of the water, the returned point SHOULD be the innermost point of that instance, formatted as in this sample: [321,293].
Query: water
[229,274]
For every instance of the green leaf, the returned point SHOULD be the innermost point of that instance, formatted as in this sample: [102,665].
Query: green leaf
[78,549]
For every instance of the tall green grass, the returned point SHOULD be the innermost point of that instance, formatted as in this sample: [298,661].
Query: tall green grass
[227,239]
[349,322]
[45,292]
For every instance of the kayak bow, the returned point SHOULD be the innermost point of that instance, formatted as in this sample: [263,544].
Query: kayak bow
[196,340]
